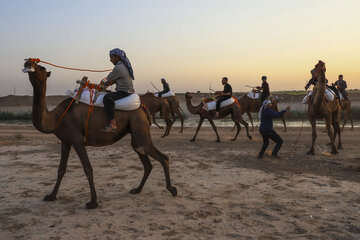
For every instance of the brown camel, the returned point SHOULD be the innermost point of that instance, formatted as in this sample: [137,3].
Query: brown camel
[72,131]
[249,106]
[346,107]
[234,109]
[154,105]
[175,110]
[320,108]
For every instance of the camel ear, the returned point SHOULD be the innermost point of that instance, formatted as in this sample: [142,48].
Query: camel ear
[48,74]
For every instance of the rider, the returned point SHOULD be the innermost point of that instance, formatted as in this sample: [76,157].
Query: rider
[265,89]
[266,116]
[223,95]
[341,86]
[314,80]
[122,75]
[166,87]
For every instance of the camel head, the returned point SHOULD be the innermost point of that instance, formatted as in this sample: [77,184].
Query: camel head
[320,68]
[37,74]
[188,95]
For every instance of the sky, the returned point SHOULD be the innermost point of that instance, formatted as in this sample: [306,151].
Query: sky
[191,43]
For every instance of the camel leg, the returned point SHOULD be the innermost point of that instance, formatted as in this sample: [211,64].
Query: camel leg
[81,152]
[233,128]
[169,123]
[246,127]
[283,120]
[147,169]
[65,150]
[164,160]
[330,133]
[214,127]
[313,127]
[337,131]
[251,120]
[197,129]
[154,121]
[238,127]
[182,121]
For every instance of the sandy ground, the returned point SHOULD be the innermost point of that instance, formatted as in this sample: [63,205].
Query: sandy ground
[224,191]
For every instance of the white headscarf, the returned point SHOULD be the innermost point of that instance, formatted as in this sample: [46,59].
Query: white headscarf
[263,106]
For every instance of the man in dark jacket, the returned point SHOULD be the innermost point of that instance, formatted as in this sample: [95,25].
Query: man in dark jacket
[264,88]
[122,75]
[341,86]
[223,95]
[266,116]
[166,87]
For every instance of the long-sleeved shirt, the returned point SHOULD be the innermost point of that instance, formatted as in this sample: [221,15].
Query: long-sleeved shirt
[267,117]
[312,81]
[342,84]
[166,87]
[121,76]
[265,88]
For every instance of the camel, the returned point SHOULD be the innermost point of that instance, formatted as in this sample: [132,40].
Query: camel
[234,109]
[175,110]
[154,105]
[320,108]
[72,131]
[253,106]
[346,107]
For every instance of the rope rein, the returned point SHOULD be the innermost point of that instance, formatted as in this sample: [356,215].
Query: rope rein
[37,60]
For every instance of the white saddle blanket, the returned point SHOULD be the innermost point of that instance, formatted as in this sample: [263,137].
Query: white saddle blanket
[212,105]
[341,96]
[168,94]
[253,95]
[329,95]
[129,103]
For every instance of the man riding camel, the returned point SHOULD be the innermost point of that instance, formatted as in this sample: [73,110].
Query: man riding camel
[166,87]
[313,81]
[341,86]
[264,88]
[122,75]
[223,95]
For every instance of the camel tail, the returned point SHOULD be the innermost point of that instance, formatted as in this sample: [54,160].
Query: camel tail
[148,115]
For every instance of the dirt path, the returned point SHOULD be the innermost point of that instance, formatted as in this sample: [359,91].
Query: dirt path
[225,192]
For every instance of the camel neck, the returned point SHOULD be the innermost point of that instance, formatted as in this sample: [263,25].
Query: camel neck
[43,120]
[319,94]
[193,109]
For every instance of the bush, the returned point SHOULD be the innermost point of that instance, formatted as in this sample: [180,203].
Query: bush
[12,116]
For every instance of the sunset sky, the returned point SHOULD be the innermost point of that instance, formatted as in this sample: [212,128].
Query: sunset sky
[190,43]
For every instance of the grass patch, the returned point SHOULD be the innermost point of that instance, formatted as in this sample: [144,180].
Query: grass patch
[11,116]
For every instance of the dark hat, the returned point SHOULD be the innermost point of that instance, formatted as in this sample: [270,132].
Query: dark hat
[263,78]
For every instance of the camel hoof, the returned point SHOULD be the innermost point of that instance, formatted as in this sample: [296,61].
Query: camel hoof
[334,152]
[135,191]
[161,127]
[192,140]
[173,191]
[250,137]
[311,153]
[217,140]
[340,148]
[162,136]
[49,198]
[92,205]
[233,139]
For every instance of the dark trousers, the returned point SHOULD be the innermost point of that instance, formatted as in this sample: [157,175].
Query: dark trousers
[263,96]
[109,100]
[219,100]
[273,136]
[161,93]
[344,93]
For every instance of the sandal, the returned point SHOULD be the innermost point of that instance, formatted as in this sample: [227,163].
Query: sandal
[109,129]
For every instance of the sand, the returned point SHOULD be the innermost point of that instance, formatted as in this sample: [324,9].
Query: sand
[224,191]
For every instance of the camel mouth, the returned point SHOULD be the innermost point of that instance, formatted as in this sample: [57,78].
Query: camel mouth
[27,69]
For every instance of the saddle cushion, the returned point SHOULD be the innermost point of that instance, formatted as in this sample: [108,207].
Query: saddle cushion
[129,103]
[253,95]
[168,94]
[212,105]
[329,95]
